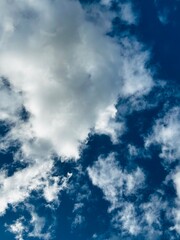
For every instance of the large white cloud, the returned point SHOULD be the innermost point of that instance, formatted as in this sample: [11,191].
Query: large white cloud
[68,71]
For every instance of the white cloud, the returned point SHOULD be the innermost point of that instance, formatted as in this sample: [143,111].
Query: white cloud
[137,79]
[152,211]
[68,71]
[78,220]
[176,209]
[127,13]
[18,187]
[176,179]
[108,176]
[106,2]
[33,227]
[126,218]
[18,229]
[130,213]
[133,151]
[10,103]
[115,183]
[166,133]
[38,224]
[106,124]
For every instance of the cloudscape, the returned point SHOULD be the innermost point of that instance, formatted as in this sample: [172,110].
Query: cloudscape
[89,120]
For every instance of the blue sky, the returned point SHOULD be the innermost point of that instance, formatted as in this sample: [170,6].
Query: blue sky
[89,120]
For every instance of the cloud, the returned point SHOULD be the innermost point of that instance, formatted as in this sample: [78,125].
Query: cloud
[68,70]
[166,133]
[127,13]
[17,228]
[34,227]
[175,176]
[127,220]
[131,212]
[117,185]
[114,182]
[10,104]
[106,124]
[106,2]
[36,177]
[38,225]
[166,11]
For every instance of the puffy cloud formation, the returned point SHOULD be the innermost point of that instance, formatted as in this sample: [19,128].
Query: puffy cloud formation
[69,73]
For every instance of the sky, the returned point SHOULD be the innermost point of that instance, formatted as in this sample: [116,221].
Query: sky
[89,120]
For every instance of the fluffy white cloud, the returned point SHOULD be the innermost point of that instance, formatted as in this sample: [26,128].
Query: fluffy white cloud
[106,124]
[68,71]
[166,133]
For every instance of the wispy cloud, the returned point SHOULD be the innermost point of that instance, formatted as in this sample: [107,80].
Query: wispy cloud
[117,185]
[166,133]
